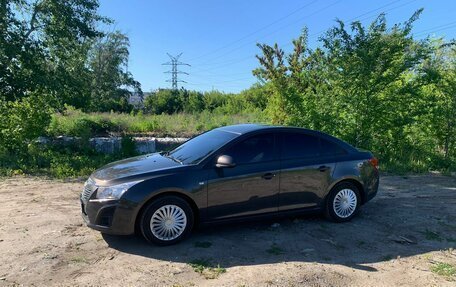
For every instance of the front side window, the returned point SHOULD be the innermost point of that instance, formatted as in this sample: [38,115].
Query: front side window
[196,149]
[296,145]
[256,149]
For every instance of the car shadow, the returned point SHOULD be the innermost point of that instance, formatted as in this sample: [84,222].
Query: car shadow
[398,223]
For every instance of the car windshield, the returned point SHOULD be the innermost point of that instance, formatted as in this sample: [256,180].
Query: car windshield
[196,149]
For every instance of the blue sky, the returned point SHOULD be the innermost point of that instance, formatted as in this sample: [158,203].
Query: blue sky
[217,38]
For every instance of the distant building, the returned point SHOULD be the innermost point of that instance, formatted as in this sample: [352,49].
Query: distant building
[136,99]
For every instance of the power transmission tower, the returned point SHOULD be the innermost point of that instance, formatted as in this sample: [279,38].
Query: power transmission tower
[174,71]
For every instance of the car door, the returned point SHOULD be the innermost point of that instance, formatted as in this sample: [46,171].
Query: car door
[252,186]
[305,172]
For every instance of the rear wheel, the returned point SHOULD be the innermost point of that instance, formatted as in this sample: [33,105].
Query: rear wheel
[167,220]
[343,202]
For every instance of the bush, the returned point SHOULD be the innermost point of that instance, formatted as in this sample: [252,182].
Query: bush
[163,102]
[76,123]
[22,121]
[128,146]
[55,161]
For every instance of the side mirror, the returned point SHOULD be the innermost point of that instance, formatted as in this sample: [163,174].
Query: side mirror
[225,161]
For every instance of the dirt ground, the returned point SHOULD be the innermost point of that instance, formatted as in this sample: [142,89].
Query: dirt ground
[404,237]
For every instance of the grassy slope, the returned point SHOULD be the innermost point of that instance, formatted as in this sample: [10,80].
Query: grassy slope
[76,123]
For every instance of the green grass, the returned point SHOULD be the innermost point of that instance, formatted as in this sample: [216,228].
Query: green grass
[431,235]
[444,269]
[76,123]
[80,161]
[206,269]
[55,162]
[199,265]
[78,259]
[275,250]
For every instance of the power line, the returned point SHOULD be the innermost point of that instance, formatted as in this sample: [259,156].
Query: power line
[216,66]
[436,28]
[313,35]
[230,81]
[174,71]
[220,75]
[225,64]
[256,31]
[275,31]
[376,9]
[219,65]
[216,85]
[393,8]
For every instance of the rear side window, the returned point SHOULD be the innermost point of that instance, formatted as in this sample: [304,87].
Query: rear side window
[295,145]
[259,148]
[329,148]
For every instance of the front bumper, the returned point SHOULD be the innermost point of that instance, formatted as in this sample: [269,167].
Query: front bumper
[108,216]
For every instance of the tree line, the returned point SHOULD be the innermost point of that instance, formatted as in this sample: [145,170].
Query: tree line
[375,86]
[53,53]
[166,101]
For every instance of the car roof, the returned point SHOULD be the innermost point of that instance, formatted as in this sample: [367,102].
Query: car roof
[241,129]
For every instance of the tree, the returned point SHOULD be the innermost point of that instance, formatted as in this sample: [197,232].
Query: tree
[376,87]
[42,54]
[256,95]
[163,101]
[213,99]
[441,91]
[194,103]
[372,70]
[281,104]
[291,81]
[35,36]
[112,83]
[22,121]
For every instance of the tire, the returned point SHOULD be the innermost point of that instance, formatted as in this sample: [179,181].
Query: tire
[167,220]
[343,202]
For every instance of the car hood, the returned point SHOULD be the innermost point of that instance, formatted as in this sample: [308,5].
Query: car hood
[130,167]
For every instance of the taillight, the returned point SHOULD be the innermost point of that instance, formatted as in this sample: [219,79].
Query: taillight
[374,162]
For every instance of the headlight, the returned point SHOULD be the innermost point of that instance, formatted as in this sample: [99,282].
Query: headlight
[114,191]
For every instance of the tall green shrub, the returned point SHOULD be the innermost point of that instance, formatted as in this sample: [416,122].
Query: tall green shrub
[22,121]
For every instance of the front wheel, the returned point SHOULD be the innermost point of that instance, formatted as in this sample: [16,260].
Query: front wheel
[167,220]
[343,202]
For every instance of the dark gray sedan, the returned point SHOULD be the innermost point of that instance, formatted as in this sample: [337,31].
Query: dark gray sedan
[230,173]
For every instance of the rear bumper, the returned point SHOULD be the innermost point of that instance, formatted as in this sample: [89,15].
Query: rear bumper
[373,191]
[372,187]
[109,216]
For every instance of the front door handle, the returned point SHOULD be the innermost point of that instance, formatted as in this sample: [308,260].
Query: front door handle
[268,175]
[323,168]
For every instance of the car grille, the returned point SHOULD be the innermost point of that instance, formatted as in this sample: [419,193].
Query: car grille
[89,188]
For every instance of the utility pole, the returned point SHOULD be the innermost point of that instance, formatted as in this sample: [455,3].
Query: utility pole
[174,71]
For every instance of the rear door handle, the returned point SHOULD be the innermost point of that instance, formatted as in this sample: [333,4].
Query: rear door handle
[268,175]
[323,168]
